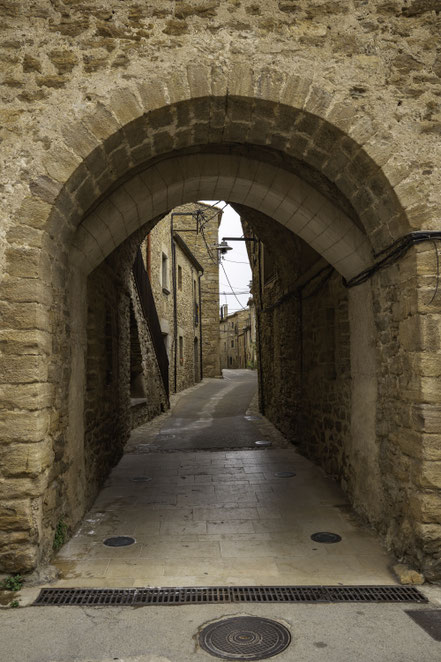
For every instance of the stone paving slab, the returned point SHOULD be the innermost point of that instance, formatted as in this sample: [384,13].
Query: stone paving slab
[235,531]
[219,516]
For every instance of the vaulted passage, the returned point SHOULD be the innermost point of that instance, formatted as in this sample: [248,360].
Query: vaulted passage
[340,369]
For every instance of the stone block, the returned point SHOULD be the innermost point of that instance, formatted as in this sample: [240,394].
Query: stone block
[318,101]
[153,95]
[23,262]
[79,139]
[124,105]
[22,488]
[16,515]
[419,333]
[426,507]
[25,342]
[23,290]
[17,559]
[18,459]
[33,212]
[24,425]
[429,537]
[101,122]
[408,441]
[61,163]
[241,80]
[25,235]
[22,369]
[268,85]
[429,475]
[177,86]
[296,91]
[27,396]
[426,417]
[24,316]
[199,80]
[408,576]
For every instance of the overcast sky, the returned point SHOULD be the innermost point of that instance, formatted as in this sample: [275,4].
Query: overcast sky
[236,262]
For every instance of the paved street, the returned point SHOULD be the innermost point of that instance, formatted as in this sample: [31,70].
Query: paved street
[216,517]
[208,416]
[219,516]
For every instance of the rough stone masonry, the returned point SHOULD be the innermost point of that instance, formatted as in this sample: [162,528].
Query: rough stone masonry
[324,116]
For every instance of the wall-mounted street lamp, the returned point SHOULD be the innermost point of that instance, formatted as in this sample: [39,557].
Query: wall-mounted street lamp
[223,247]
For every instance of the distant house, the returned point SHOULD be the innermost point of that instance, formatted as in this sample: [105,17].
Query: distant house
[182,264]
[237,342]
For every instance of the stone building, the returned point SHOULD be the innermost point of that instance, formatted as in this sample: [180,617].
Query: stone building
[322,116]
[185,290]
[237,340]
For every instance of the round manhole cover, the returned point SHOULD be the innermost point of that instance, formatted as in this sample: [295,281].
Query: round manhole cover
[284,474]
[263,443]
[245,638]
[141,479]
[119,541]
[324,536]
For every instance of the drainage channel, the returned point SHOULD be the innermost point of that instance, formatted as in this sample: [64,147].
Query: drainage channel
[226,594]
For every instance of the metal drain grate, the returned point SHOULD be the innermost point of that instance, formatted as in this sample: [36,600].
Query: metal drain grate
[227,594]
[245,638]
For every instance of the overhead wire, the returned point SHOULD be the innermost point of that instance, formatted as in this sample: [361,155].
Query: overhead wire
[228,281]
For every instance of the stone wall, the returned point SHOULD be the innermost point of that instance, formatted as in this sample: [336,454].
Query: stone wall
[113,115]
[237,347]
[309,362]
[196,317]
[202,245]
[111,296]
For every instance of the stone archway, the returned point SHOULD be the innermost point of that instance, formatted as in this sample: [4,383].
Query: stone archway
[265,140]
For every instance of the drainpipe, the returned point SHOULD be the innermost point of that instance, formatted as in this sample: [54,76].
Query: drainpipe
[175,305]
[200,327]
[259,336]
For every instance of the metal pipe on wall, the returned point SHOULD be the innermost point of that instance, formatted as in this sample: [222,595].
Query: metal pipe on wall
[175,305]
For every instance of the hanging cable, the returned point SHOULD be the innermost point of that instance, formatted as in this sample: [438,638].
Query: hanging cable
[228,281]
[393,253]
[236,261]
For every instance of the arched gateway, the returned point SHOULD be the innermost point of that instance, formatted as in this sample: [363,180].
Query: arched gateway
[270,141]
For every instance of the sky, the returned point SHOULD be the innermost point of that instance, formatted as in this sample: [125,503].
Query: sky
[235,263]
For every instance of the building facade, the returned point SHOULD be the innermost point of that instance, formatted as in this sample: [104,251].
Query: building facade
[237,342]
[182,264]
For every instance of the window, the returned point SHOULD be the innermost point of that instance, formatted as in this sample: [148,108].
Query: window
[181,350]
[231,360]
[232,343]
[164,274]
[179,277]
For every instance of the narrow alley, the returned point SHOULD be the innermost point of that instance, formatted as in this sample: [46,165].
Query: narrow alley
[206,506]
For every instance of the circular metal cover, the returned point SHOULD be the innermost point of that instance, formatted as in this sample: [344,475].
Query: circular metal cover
[263,443]
[325,536]
[285,474]
[119,541]
[141,479]
[245,638]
